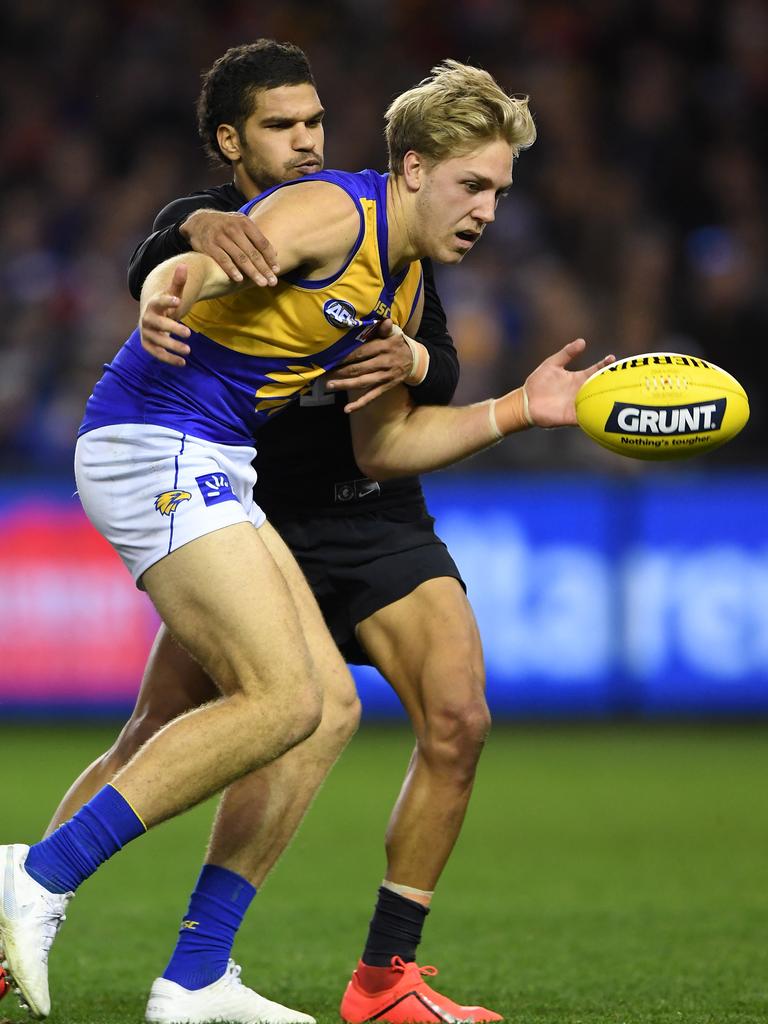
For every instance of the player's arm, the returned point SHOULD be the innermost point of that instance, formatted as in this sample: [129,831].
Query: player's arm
[393,437]
[427,363]
[192,224]
[438,385]
[393,339]
[314,225]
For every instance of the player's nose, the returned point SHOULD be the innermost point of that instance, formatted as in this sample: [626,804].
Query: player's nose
[304,139]
[485,209]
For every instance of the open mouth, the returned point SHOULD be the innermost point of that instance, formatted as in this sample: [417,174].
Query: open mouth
[468,236]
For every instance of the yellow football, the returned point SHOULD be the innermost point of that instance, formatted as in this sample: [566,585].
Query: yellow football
[661,405]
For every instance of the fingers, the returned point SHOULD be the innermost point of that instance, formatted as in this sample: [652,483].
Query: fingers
[160,316]
[584,375]
[367,397]
[600,364]
[365,352]
[381,348]
[154,337]
[161,332]
[239,259]
[235,243]
[374,369]
[386,328]
[568,352]
[161,354]
[178,281]
[575,348]
[385,360]
[247,252]
[362,380]
[262,245]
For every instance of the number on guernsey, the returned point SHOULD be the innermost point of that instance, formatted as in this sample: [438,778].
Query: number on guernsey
[318,395]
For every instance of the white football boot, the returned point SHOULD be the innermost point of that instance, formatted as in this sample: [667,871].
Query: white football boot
[30,916]
[227,999]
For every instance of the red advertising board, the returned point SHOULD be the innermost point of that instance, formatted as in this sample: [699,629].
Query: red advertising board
[73,626]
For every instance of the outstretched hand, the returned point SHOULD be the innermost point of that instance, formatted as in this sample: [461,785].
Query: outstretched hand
[552,389]
[160,320]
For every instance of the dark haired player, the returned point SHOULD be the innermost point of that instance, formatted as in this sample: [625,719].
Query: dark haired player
[388,588]
[424,639]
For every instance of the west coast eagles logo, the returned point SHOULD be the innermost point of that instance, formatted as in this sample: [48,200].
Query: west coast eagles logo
[167,502]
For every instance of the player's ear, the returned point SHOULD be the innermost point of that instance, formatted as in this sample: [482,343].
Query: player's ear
[413,170]
[228,139]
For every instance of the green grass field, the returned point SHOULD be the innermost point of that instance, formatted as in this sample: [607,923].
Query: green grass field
[605,875]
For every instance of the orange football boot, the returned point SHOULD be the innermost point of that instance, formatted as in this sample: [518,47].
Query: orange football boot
[409,1000]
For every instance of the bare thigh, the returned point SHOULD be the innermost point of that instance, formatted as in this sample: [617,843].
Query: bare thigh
[228,603]
[428,647]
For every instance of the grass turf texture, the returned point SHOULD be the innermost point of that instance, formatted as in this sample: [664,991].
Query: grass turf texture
[605,875]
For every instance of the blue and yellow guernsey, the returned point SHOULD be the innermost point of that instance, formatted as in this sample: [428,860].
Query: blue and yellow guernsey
[255,350]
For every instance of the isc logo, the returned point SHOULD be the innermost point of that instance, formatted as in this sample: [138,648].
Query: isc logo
[341,314]
[674,419]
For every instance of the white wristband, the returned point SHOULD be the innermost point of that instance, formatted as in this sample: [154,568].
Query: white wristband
[497,434]
[527,409]
[416,355]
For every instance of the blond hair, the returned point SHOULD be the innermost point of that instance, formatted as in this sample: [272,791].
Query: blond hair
[455,110]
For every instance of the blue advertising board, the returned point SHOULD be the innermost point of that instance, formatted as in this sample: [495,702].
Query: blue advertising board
[598,596]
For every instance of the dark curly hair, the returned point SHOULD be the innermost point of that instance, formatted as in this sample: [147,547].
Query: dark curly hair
[227,95]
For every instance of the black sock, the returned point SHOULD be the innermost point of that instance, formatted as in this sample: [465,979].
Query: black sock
[395,929]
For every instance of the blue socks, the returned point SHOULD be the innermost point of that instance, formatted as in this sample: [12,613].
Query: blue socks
[102,827]
[216,911]
[77,848]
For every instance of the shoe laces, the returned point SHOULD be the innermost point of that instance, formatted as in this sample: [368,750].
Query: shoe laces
[232,974]
[55,916]
[398,964]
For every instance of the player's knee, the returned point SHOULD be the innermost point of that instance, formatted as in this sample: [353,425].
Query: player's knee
[454,734]
[305,714]
[341,713]
[295,711]
[353,712]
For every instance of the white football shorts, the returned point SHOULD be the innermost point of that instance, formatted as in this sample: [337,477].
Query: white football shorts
[149,490]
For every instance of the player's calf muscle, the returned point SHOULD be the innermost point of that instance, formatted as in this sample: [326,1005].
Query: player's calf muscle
[229,738]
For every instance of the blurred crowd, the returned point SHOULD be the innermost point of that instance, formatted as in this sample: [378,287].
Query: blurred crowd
[638,219]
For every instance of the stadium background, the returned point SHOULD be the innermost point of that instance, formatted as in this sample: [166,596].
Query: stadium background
[638,221]
[611,871]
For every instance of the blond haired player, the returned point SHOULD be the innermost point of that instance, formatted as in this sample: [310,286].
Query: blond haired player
[217,573]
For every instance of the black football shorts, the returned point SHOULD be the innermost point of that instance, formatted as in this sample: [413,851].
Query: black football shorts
[358,564]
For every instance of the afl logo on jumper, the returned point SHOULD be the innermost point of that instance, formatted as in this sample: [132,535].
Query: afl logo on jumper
[341,314]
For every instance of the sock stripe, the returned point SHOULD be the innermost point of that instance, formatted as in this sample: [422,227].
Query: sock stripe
[144,825]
